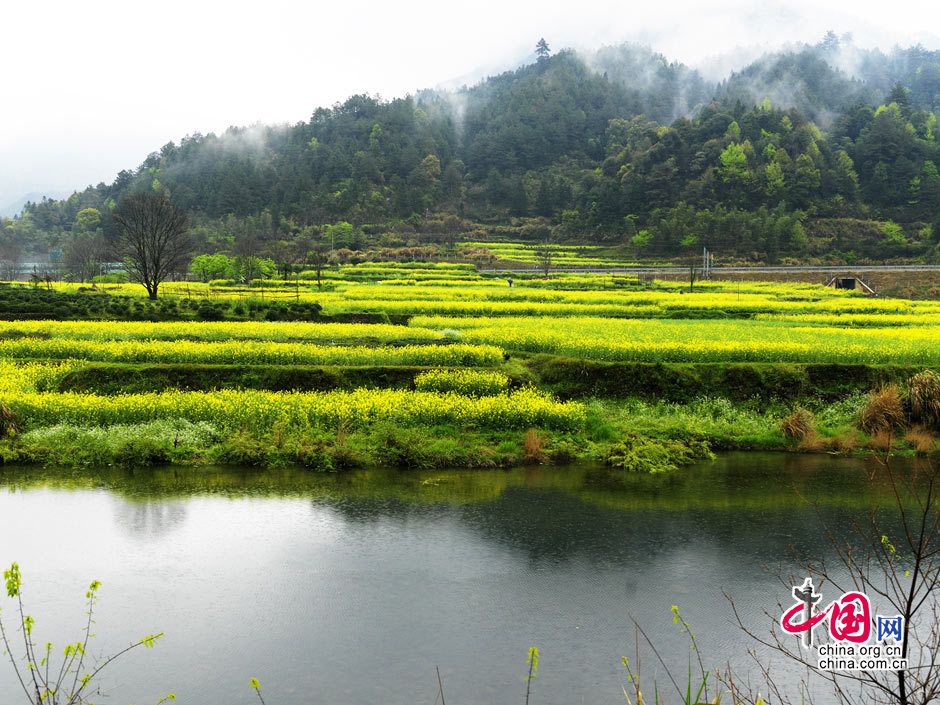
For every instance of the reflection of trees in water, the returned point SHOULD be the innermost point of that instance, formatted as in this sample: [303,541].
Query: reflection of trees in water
[745,505]
[371,510]
[148,519]
[739,510]
[552,526]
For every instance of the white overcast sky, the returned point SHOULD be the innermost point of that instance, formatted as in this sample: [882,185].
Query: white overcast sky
[90,87]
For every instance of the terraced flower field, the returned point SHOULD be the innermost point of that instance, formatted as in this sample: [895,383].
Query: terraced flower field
[576,295]
[460,356]
[247,352]
[561,255]
[714,341]
[262,411]
[480,322]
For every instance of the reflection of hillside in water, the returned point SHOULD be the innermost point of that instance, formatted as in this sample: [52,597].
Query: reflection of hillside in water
[150,519]
[751,505]
[745,509]
[401,569]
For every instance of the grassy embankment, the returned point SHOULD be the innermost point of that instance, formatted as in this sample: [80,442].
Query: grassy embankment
[475,373]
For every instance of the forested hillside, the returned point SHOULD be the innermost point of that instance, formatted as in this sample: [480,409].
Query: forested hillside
[817,152]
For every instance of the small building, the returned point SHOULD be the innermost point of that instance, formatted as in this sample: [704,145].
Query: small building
[850,281]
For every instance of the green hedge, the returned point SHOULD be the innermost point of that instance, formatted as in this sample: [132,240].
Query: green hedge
[677,382]
[37,303]
[112,378]
[569,378]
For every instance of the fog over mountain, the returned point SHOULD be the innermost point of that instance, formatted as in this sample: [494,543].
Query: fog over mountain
[129,87]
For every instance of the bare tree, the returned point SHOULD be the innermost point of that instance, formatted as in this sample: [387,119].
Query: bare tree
[284,253]
[893,554]
[84,256]
[543,256]
[316,250]
[153,238]
[11,259]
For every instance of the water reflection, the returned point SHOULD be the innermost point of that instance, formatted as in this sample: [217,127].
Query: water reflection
[355,586]
[149,519]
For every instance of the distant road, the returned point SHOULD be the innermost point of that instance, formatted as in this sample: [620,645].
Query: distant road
[717,271]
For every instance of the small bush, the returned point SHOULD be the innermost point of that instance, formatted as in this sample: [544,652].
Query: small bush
[799,424]
[402,447]
[463,381]
[653,455]
[564,452]
[428,447]
[242,448]
[210,312]
[164,441]
[312,452]
[883,411]
[113,278]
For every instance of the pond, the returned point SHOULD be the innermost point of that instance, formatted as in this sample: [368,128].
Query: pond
[353,588]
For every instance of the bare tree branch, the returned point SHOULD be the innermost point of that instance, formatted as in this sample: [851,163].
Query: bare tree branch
[153,238]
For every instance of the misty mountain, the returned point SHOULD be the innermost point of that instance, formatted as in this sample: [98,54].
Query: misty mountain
[619,144]
[915,68]
[805,80]
[664,90]
[13,209]
[829,78]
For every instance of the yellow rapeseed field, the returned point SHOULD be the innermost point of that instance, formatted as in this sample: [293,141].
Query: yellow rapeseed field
[263,410]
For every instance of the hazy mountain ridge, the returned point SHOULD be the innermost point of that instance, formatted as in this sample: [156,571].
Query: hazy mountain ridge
[15,207]
[616,143]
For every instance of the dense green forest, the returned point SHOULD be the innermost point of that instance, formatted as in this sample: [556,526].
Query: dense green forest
[819,152]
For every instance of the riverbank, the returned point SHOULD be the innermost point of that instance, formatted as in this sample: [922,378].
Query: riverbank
[253,428]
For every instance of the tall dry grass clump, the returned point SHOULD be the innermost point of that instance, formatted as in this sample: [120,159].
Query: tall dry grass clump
[844,442]
[799,425]
[923,440]
[812,443]
[533,447]
[882,441]
[883,412]
[9,424]
[923,399]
